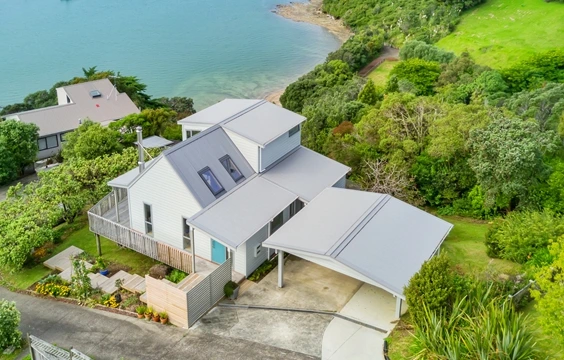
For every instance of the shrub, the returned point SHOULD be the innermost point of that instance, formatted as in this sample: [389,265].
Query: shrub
[521,234]
[141,309]
[422,74]
[431,289]
[176,276]
[422,50]
[229,288]
[261,271]
[52,289]
[9,323]
[159,271]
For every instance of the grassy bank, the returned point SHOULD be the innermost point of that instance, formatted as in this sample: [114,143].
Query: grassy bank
[502,32]
[78,234]
[381,73]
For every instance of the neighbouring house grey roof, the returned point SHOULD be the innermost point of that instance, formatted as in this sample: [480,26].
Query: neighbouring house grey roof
[127,178]
[204,150]
[240,214]
[306,173]
[155,142]
[62,118]
[218,112]
[263,122]
[376,235]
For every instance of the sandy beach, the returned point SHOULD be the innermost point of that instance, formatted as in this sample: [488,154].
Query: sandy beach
[309,12]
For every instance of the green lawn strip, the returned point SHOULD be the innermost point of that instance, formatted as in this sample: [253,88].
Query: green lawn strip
[465,247]
[400,340]
[500,33]
[79,235]
[380,74]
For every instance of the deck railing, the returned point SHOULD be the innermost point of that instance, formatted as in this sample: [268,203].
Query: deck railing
[135,240]
[108,202]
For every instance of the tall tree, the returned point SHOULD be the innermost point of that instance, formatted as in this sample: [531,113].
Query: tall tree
[91,140]
[19,142]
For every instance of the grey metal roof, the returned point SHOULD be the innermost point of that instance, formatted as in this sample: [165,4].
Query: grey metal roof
[306,173]
[124,180]
[201,151]
[61,118]
[263,122]
[219,112]
[155,142]
[376,235]
[237,216]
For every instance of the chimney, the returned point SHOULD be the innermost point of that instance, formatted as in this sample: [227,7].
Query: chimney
[140,150]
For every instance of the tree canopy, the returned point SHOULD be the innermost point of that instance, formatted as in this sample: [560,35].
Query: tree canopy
[89,141]
[18,148]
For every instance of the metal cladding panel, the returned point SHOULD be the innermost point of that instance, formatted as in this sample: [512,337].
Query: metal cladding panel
[399,238]
[198,301]
[218,278]
[201,151]
[306,173]
[240,214]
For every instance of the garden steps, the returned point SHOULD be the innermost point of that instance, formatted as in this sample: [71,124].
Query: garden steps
[67,274]
[143,298]
[135,284]
[109,286]
[96,279]
[62,261]
[188,283]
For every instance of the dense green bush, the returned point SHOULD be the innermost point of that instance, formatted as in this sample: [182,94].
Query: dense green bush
[359,49]
[421,74]
[422,50]
[176,276]
[519,235]
[432,289]
[9,323]
[535,71]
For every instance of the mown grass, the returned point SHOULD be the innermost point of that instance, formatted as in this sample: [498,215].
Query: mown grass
[79,235]
[500,33]
[380,75]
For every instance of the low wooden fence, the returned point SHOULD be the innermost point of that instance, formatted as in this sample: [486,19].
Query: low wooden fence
[141,243]
[162,296]
[42,350]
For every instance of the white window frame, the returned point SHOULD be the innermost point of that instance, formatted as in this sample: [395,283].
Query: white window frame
[146,222]
[186,239]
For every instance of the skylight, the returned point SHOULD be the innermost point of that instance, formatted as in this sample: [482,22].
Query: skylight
[231,168]
[211,181]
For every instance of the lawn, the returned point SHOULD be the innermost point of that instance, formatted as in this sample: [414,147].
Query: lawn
[380,74]
[79,235]
[502,32]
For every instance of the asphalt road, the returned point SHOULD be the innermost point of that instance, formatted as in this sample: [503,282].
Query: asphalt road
[105,335]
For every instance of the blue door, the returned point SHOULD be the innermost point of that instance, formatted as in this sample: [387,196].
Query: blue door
[219,254]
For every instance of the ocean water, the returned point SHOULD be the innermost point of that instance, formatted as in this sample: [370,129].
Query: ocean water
[206,49]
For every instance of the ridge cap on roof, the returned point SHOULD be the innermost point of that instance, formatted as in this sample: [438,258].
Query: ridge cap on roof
[52,107]
[87,82]
[242,112]
[192,139]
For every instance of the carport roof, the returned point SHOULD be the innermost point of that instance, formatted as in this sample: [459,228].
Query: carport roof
[376,236]
[238,215]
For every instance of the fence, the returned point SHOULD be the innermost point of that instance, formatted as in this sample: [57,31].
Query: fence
[184,308]
[515,298]
[141,243]
[42,350]
[108,202]
[204,296]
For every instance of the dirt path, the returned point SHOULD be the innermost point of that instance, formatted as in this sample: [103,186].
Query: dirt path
[388,52]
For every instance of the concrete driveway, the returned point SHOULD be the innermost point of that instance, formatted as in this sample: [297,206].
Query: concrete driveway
[345,340]
[306,286]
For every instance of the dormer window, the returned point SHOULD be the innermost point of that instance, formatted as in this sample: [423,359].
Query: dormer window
[231,168]
[211,181]
[294,130]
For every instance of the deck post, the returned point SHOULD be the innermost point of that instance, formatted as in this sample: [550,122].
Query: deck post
[398,306]
[280,269]
[193,249]
[98,245]
[117,206]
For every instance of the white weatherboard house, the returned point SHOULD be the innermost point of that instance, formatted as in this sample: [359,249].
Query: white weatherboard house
[241,186]
[97,101]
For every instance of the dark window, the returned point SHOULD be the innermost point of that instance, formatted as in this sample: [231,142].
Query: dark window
[148,219]
[276,223]
[295,207]
[190,133]
[211,181]
[48,142]
[186,234]
[68,100]
[231,168]
[294,130]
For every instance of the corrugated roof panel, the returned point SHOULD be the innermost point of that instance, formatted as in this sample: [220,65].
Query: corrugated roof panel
[218,112]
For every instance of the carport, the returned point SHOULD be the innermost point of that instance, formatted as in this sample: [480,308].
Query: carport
[371,237]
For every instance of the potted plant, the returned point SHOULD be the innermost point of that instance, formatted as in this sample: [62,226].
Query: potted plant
[164,317]
[101,266]
[156,317]
[140,310]
[231,290]
[148,313]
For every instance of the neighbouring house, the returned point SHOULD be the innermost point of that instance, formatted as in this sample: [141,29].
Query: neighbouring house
[98,101]
[240,186]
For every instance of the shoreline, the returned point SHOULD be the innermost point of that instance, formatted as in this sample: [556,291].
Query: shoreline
[308,12]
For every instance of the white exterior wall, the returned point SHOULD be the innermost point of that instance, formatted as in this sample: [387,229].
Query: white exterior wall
[240,259]
[62,96]
[249,149]
[170,200]
[342,183]
[252,261]
[202,245]
[193,127]
[278,148]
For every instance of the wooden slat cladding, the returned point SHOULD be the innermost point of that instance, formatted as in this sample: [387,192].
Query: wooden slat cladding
[165,297]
